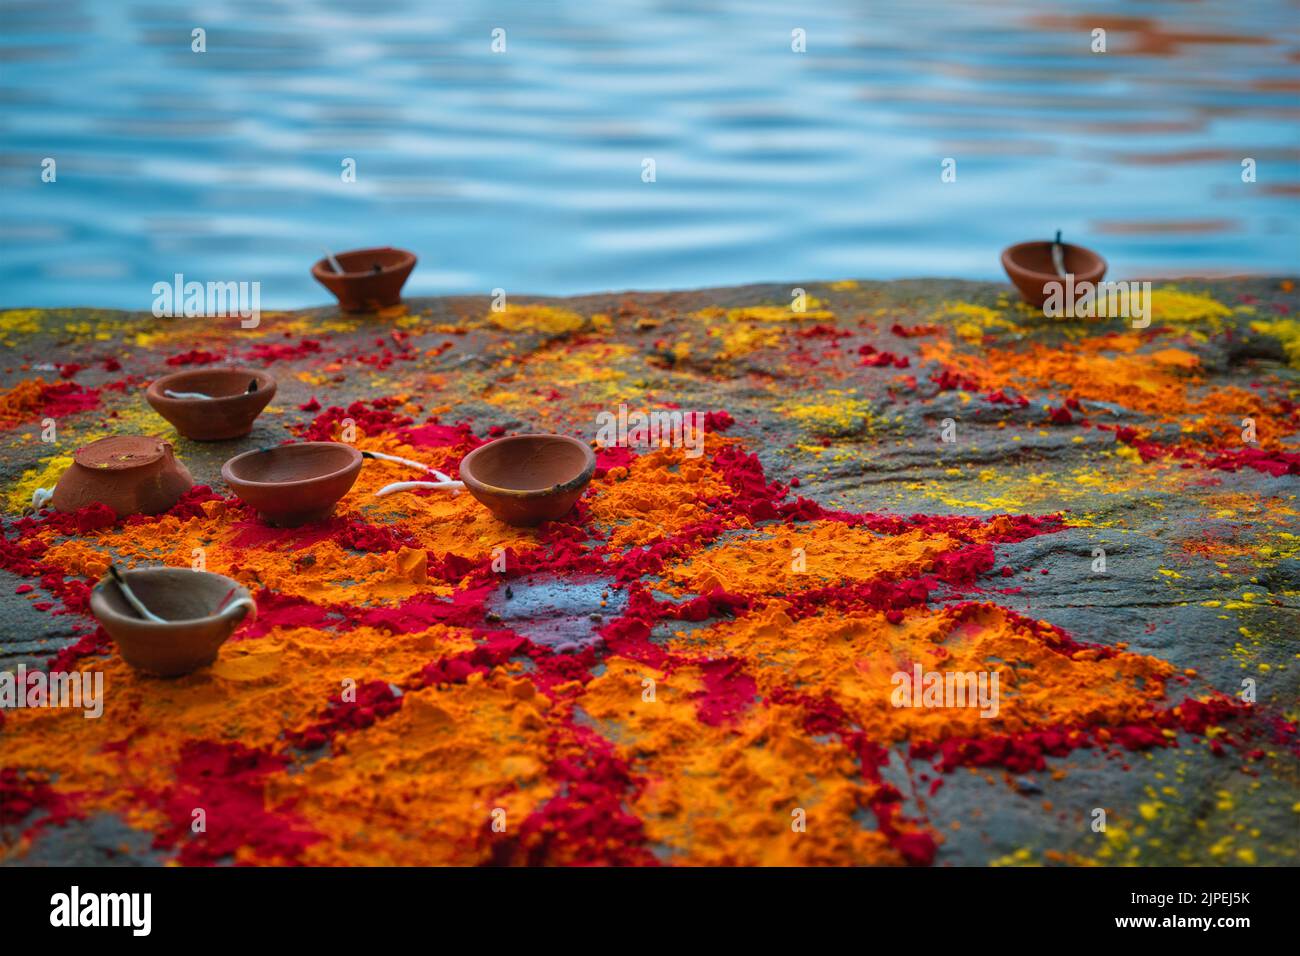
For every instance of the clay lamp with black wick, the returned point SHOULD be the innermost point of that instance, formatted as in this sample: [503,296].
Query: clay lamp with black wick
[1034,266]
[365,280]
[527,479]
[212,404]
[169,621]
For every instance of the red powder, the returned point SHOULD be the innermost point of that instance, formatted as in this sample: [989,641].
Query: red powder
[727,693]
[718,421]
[1060,416]
[617,456]
[66,398]
[227,781]
[915,331]
[873,358]
[369,419]
[195,357]
[948,380]
[21,796]
[823,332]
[1000,397]
[588,824]
[374,699]
[269,354]
[1275,463]
[347,533]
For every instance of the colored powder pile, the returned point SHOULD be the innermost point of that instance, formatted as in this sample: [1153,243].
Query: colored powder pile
[33,400]
[1287,331]
[536,318]
[833,412]
[1164,384]
[743,331]
[15,323]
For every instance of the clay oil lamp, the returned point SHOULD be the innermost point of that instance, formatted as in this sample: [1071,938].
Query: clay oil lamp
[169,621]
[1032,266]
[527,479]
[131,474]
[365,280]
[294,484]
[212,404]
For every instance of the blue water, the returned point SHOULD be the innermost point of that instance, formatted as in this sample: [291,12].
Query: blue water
[523,170]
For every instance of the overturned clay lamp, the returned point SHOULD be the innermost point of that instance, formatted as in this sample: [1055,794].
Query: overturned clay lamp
[527,479]
[1032,267]
[372,278]
[199,611]
[291,485]
[131,474]
[212,404]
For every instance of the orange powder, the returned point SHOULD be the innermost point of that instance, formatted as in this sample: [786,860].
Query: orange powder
[790,558]
[659,494]
[1164,383]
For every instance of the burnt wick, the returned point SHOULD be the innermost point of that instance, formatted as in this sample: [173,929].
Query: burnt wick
[1058,255]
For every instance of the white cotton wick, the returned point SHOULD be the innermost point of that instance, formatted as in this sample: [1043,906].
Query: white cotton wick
[396,486]
[40,496]
[131,599]
[247,602]
[444,481]
[334,263]
[407,461]
[170,394]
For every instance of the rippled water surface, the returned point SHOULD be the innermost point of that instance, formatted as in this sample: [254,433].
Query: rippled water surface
[523,170]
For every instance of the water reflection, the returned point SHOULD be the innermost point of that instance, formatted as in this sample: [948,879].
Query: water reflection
[523,169]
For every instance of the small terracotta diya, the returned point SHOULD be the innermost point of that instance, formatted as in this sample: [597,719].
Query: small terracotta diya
[291,485]
[131,474]
[372,278]
[1031,267]
[199,611]
[527,479]
[236,396]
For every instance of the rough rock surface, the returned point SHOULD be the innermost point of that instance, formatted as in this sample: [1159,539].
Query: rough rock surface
[705,652]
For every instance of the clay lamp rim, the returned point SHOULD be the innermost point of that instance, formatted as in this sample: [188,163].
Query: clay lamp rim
[1011,260]
[228,472]
[265,382]
[137,621]
[137,456]
[572,484]
[405,259]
